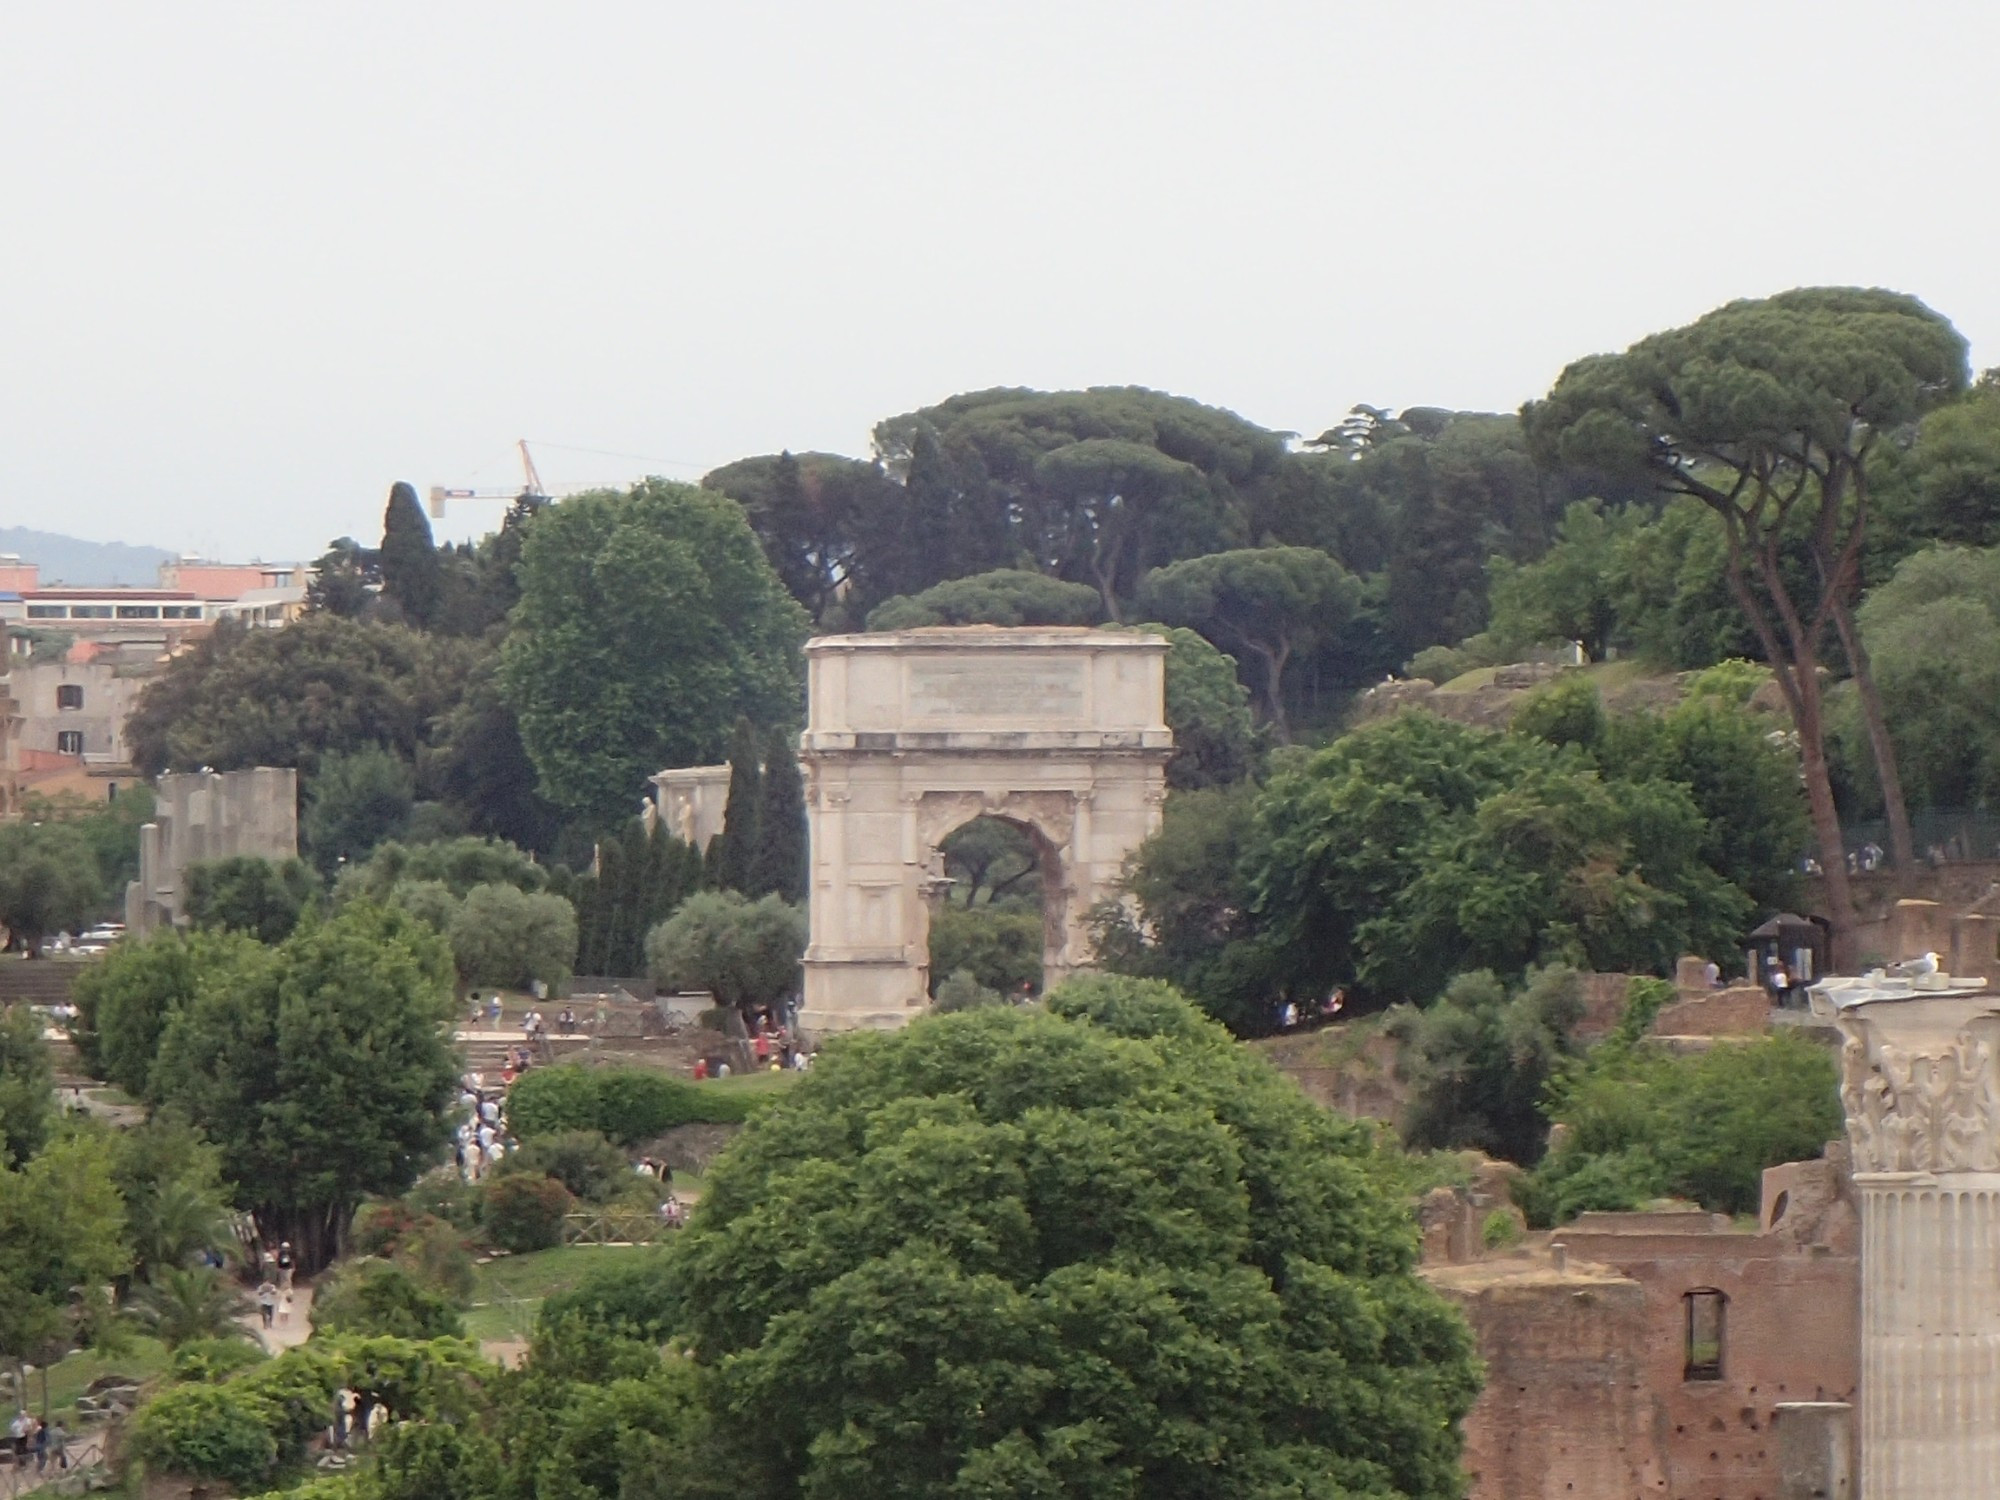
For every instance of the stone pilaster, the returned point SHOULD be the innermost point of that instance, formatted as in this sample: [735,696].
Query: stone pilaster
[1922,1097]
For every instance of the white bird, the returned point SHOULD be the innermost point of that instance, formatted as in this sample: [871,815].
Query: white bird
[1912,968]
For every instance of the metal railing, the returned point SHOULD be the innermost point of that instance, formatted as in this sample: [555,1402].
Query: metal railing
[86,1460]
[615,1226]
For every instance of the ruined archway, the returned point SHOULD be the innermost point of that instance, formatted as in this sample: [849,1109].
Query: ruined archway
[913,734]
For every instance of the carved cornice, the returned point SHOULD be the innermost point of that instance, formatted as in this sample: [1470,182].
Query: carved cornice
[1920,1111]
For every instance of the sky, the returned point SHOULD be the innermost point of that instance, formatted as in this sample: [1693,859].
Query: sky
[260,261]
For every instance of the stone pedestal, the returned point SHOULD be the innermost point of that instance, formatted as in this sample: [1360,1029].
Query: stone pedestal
[1815,1450]
[912,734]
[1922,1097]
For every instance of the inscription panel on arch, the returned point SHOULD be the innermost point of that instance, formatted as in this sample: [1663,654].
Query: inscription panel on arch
[1042,690]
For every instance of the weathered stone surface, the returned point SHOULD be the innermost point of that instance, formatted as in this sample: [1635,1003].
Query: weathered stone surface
[911,735]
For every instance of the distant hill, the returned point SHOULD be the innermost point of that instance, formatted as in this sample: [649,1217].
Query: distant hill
[65,559]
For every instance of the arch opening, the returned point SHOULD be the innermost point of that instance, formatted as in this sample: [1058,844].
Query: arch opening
[989,924]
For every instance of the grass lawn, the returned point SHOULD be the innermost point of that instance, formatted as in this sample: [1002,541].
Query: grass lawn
[507,1293]
[765,1082]
[68,1378]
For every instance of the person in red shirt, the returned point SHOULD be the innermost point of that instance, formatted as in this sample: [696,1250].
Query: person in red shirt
[700,1068]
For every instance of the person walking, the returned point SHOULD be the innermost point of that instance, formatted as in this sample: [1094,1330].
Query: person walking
[18,1431]
[285,1308]
[493,1009]
[58,1437]
[286,1261]
[267,1300]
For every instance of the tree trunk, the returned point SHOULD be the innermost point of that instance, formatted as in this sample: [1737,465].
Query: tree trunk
[1274,698]
[1902,847]
[1841,914]
[1797,673]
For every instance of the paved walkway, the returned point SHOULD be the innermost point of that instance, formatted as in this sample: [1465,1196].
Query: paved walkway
[290,1333]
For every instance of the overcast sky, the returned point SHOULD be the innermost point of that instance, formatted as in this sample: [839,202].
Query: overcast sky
[262,260]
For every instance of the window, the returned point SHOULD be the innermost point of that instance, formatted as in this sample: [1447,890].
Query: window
[69,742]
[90,611]
[138,611]
[69,695]
[1707,1310]
[48,611]
[181,611]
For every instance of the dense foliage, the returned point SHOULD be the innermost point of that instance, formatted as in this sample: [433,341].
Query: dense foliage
[953,1252]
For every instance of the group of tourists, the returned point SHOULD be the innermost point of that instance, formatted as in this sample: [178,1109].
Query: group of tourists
[774,1047]
[32,1438]
[481,1142]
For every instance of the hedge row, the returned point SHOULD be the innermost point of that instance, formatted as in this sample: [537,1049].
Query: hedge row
[629,1105]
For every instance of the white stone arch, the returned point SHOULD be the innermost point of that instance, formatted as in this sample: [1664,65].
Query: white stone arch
[913,734]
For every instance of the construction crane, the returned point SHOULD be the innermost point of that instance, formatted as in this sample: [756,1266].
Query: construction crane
[533,490]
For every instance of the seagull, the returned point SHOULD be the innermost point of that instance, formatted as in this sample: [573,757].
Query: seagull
[1913,968]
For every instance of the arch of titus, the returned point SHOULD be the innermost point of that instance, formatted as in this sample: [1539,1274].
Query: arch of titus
[911,734]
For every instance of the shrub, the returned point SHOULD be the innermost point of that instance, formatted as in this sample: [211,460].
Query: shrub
[381,1226]
[524,1213]
[377,1297]
[626,1105]
[963,992]
[633,1295]
[583,1161]
[214,1360]
[1499,1230]
[208,1432]
[1002,949]
[435,1253]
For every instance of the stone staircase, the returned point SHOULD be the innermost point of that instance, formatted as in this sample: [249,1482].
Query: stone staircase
[37,981]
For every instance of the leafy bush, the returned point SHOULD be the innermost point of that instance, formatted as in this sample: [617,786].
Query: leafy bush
[377,1297]
[1002,949]
[380,1227]
[583,1161]
[504,936]
[435,1253]
[1644,1123]
[634,1295]
[627,1105]
[1499,1230]
[213,1360]
[524,1213]
[208,1432]
[963,992]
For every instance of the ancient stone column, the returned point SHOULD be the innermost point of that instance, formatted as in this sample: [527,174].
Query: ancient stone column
[1919,1085]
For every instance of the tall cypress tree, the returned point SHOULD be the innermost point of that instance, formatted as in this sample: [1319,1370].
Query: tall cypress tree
[780,865]
[739,814]
[411,574]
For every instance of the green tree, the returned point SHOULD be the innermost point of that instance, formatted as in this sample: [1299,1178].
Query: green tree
[62,1231]
[1413,849]
[1267,601]
[243,697]
[321,1069]
[1006,596]
[1768,412]
[806,510]
[642,876]
[344,579]
[126,998]
[1477,1061]
[26,1080]
[1643,1123]
[1208,710]
[1001,950]
[1092,487]
[480,766]
[504,936]
[1013,1226]
[355,801]
[261,897]
[459,864]
[183,1303]
[992,856]
[1932,630]
[733,854]
[648,623]
[1184,915]
[1575,590]
[411,576]
[175,1199]
[49,882]
[778,867]
[373,1298]
[744,953]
